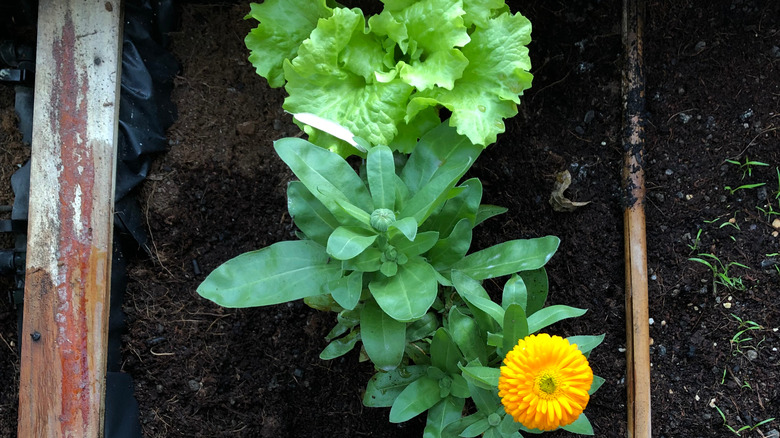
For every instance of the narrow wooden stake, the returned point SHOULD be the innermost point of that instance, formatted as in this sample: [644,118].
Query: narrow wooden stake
[637,317]
[66,303]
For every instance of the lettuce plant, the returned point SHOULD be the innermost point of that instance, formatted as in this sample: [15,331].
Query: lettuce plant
[386,76]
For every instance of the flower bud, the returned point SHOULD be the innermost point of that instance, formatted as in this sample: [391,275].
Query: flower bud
[382,218]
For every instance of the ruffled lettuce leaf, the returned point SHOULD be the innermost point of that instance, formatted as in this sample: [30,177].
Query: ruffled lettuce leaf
[429,34]
[478,12]
[334,77]
[489,90]
[284,24]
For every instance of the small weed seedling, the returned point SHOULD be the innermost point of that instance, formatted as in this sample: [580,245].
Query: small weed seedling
[738,340]
[739,431]
[747,166]
[743,187]
[720,272]
[694,246]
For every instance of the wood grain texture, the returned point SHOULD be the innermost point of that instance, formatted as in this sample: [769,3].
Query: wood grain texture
[66,305]
[637,313]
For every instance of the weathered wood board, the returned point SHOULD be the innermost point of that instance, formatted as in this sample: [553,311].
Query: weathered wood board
[66,302]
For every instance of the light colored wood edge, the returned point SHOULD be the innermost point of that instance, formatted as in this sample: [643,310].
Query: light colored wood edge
[68,273]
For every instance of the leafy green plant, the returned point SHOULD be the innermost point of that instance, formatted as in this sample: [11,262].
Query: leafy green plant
[744,327]
[720,272]
[743,187]
[384,77]
[747,166]
[739,431]
[696,242]
[386,248]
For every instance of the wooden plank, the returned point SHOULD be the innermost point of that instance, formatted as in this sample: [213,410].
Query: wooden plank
[66,304]
[637,315]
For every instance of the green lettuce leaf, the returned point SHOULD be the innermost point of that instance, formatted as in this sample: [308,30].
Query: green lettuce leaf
[432,55]
[333,77]
[489,89]
[284,24]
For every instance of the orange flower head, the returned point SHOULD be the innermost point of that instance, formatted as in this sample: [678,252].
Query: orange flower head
[544,382]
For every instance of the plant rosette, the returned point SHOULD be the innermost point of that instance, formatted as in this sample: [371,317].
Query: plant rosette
[386,248]
[386,76]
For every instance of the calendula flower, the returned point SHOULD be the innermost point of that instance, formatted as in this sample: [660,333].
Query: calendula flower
[544,382]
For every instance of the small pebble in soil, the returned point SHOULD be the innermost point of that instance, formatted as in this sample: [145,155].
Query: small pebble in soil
[194,385]
[691,351]
[774,433]
[751,355]
[579,130]
[727,305]
[746,115]
[768,263]
[651,321]
[776,224]
[661,350]
[669,171]
[701,45]
[775,51]
[589,116]
[685,118]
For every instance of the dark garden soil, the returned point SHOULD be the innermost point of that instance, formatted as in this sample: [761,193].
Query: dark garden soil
[713,89]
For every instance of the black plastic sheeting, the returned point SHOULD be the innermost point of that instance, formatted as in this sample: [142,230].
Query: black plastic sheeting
[145,112]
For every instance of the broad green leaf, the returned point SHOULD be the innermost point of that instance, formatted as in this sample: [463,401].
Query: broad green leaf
[597,382]
[483,377]
[486,400]
[422,243]
[325,174]
[284,24]
[309,214]
[514,292]
[438,146]
[515,326]
[489,89]
[409,133]
[508,257]
[486,211]
[580,426]
[418,397]
[423,327]
[536,286]
[495,339]
[551,315]
[473,293]
[467,336]
[454,429]
[401,193]
[346,320]
[445,355]
[347,290]
[409,294]
[383,388]
[341,346]
[383,337]
[442,414]
[367,261]
[454,247]
[334,77]
[347,242]
[348,213]
[284,271]
[459,387]
[462,206]
[435,192]
[508,426]
[586,343]
[407,226]
[323,302]
[476,429]
[380,168]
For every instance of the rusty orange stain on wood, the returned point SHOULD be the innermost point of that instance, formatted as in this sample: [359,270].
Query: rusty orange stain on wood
[76,180]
